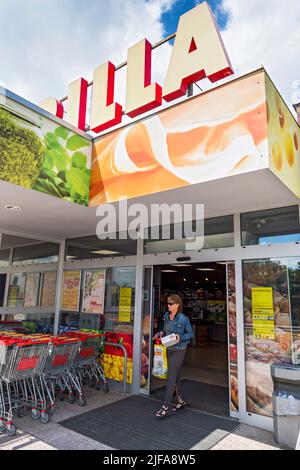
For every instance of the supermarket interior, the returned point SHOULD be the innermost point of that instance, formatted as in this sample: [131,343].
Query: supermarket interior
[204,292]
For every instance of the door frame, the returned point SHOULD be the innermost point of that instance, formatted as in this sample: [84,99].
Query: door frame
[148,391]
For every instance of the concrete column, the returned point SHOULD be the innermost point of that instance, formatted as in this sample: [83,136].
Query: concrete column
[137,339]
[60,270]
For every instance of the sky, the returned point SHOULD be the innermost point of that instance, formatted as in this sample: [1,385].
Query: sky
[46,44]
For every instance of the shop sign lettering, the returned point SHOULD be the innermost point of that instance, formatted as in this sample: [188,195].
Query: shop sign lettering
[198,53]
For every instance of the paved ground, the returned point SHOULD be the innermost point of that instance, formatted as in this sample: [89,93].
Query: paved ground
[32,435]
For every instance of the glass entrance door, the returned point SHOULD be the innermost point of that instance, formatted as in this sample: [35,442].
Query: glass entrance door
[272,325]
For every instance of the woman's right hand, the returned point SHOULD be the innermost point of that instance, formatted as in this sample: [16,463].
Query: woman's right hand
[158,335]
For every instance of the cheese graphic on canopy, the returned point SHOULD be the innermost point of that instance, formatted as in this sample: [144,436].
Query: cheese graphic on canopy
[283,138]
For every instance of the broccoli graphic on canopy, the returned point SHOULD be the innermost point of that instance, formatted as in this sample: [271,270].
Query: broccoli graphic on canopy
[21,152]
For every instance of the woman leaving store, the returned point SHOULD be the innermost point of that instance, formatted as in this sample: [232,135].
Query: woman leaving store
[175,322]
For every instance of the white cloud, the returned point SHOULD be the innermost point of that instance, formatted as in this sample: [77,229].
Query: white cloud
[265,33]
[46,44]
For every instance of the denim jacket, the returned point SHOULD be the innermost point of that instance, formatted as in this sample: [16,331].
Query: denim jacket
[181,327]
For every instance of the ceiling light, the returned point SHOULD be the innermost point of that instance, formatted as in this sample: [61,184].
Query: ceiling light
[105,252]
[168,271]
[181,265]
[205,269]
[206,279]
[10,207]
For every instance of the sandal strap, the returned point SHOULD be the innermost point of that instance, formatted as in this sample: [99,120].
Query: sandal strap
[163,411]
[180,405]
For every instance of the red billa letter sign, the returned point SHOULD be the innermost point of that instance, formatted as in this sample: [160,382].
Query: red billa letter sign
[141,95]
[53,106]
[198,53]
[105,113]
[77,100]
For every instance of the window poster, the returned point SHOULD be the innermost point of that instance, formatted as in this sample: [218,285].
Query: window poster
[49,289]
[125,304]
[32,289]
[263,313]
[93,292]
[16,290]
[70,291]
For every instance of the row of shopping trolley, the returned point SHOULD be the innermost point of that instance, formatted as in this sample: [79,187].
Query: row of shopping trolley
[37,370]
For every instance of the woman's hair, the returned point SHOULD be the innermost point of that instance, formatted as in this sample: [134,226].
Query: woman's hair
[177,300]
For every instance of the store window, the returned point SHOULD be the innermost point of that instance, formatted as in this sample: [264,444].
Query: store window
[218,233]
[35,254]
[112,311]
[4,258]
[94,248]
[106,300]
[272,325]
[31,322]
[120,299]
[30,290]
[271,226]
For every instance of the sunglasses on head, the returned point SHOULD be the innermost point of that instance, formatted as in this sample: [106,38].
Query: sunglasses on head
[171,303]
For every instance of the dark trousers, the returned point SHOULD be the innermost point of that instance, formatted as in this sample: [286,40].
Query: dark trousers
[175,361]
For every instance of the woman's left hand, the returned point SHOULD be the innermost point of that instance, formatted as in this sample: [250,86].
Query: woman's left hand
[178,338]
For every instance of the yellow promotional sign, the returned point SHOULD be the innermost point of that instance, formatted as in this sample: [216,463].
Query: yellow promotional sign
[262,297]
[263,313]
[70,292]
[125,304]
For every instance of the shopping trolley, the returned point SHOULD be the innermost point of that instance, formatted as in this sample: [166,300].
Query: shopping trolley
[22,363]
[58,376]
[87,365]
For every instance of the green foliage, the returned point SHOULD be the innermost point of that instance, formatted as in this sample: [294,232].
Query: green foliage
[54,166]
[21,152]
[76,142]
[62,132]
[64,173]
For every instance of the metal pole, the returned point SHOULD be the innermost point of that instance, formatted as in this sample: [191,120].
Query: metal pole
[60,269]
[190,91]
[123,64]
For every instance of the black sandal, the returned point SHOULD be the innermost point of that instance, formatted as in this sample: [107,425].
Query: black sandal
[162,413]
[180,406]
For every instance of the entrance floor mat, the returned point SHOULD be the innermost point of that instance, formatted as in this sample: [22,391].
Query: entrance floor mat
[202,396]
[131,424]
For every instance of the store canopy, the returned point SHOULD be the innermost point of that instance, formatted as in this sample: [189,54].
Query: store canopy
[48,218]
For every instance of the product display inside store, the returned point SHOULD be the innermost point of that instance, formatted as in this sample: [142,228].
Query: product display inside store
[203,289]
